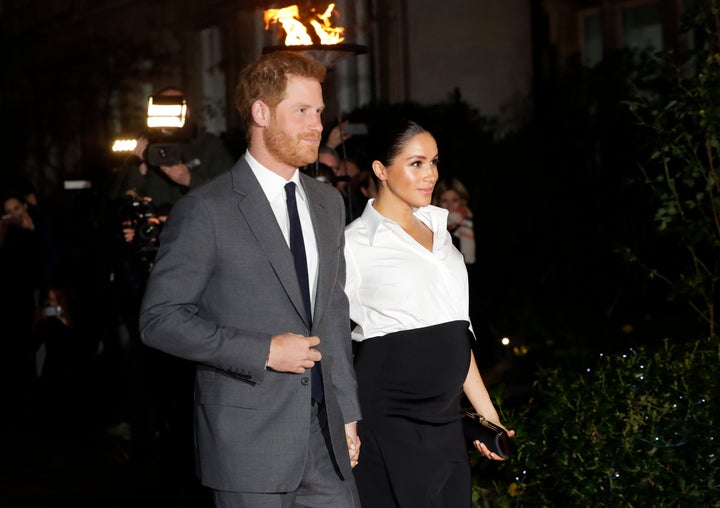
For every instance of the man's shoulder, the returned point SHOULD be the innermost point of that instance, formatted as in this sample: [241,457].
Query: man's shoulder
[325,191]
[214,189]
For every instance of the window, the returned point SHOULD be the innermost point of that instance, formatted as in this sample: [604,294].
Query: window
[642,27]
[592,38]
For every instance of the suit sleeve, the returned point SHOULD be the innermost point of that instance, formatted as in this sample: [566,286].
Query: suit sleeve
[169,317]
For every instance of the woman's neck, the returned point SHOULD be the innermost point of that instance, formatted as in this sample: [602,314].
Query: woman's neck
[394,209]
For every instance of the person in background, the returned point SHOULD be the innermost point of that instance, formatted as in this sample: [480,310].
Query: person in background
[20,276]
[248,285]
[329,157]
[203,156]
[356,189]
[408,292]
[159,406]
[66,348]
[367,185]
[337,135]
[346,168]
[452,195]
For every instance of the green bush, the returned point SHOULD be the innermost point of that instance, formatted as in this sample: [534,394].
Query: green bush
[639,429]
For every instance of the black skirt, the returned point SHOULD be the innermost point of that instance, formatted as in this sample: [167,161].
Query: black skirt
[413,453]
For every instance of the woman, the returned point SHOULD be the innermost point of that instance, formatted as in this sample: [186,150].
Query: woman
[452,195]
[408,291]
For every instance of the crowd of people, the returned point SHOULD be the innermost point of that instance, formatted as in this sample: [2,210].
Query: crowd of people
[311,308]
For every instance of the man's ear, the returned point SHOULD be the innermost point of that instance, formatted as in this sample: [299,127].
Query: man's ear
[260,113]
[380,170]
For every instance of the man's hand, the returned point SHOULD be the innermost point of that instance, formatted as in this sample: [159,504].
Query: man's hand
[338,135]
[140,147]
[353,443]
[129,229]
[179,173]
[290,352]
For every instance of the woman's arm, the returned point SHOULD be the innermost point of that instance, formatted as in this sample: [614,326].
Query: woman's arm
[477,394]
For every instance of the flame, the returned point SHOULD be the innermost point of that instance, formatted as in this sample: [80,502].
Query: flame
[296,32]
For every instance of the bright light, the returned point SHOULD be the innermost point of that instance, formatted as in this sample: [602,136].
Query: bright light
[166,111]
[124,145]
[505,341]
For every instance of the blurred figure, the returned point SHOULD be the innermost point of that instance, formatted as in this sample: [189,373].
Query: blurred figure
[452,195]
[203,156]
[338,135]
[346,172]
[159,403]
[346,169]
[368,187]
[65,350]
[16,213]
[20,269]
[323,173]
[329,156]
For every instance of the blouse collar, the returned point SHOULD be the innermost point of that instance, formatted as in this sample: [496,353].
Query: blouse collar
[432,216]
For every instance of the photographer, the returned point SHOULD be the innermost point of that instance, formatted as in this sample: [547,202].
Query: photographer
[167,162]
[202,157]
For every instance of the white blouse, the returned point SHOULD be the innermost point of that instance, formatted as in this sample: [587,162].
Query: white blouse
[394,283]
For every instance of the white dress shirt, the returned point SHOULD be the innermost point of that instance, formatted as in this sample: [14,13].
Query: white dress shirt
[394,283]
[273,185]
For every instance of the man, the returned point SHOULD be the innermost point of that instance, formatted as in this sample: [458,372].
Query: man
[203,156]
[226,292]
[329,156]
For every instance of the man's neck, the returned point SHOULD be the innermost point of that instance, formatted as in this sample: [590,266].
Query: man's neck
[260,154]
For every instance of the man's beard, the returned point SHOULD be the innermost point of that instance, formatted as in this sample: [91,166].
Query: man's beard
[293,151]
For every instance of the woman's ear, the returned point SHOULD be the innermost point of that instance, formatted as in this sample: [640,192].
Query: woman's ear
[380,170]
[260,113]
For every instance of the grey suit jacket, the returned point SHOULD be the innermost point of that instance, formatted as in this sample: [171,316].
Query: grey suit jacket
[223,284]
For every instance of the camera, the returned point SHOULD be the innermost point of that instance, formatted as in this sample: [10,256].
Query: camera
[52,311]
[163,154]
[138,213]
[12,219]
[167,130]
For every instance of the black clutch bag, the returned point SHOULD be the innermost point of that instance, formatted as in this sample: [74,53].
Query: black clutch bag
[479,428]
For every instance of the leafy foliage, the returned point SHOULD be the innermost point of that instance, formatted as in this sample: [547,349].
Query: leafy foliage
[638,429]
[679,104]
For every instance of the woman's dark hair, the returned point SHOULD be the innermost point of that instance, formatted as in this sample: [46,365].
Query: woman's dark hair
[387,140]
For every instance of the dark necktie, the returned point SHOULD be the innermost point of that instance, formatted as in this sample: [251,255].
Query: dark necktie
[297,247]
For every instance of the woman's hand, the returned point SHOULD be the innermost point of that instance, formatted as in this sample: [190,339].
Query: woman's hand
[353,443]
[486,452]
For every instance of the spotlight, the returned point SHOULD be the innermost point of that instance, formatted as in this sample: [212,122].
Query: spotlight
[166,111]
[124,145]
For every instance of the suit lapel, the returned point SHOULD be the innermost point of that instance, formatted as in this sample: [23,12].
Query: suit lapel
[260,218]
[322,224]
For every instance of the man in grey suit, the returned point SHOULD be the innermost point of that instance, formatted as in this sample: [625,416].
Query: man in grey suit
[227,292]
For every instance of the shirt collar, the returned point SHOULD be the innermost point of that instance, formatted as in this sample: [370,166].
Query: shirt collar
[271,183]
[432,216]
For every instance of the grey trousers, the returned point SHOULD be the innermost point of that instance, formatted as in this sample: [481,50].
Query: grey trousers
[320,487]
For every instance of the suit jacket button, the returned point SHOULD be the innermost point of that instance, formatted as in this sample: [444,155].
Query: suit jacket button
[305,381]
